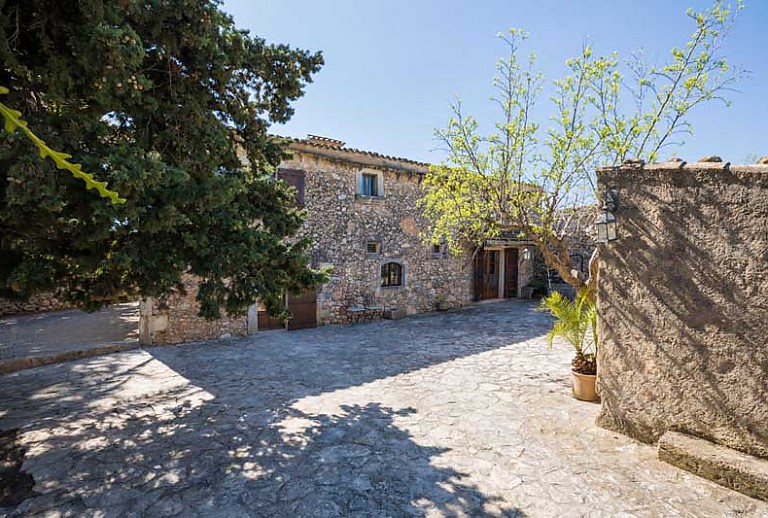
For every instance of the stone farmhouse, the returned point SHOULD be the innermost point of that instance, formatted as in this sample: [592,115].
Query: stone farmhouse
[363,217]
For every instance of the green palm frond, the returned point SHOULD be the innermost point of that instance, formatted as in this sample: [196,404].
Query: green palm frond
[575,320]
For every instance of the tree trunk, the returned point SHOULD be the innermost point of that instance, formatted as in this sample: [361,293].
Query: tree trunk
[560,261]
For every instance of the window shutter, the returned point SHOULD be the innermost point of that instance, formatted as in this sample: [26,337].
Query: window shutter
[359,182]
[300,189]
[295,179]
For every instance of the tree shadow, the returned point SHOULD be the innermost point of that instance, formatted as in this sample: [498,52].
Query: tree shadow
[215,429]
[192,458]
[685,303]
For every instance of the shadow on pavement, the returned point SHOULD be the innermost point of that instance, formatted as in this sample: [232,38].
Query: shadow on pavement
[38,339]
[212,428]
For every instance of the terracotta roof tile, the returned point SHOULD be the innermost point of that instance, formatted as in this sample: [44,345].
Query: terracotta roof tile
[337,145]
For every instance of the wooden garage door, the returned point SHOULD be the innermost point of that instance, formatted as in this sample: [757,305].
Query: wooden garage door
[304,309]
[267,322]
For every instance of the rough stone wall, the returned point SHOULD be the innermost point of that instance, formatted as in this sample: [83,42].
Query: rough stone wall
[175,320]
[341,223]
[683,304]
[36,304]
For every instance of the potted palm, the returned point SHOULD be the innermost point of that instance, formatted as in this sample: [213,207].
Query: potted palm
[576,322]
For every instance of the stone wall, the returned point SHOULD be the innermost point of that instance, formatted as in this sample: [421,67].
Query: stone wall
[341,223]
[175,320]
[683,304]
[36,304]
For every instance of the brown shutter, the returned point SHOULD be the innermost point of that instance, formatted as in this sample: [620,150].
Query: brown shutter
[294,178]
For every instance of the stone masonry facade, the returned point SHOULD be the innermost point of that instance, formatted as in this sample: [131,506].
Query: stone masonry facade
[36,304]
[365,223]
[345,226]
[176,319]
[344,223]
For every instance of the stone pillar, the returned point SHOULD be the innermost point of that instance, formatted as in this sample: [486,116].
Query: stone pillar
[524,268]
[145,318]
[253,319]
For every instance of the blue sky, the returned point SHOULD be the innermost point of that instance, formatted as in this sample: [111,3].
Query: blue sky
[392,67]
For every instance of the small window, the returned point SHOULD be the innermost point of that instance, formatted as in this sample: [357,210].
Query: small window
[439,251]
[391,274]
[370,185]
[373,248]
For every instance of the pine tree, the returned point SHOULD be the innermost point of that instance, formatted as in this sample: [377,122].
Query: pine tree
[165,100]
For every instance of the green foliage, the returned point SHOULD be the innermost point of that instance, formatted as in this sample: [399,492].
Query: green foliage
[538,177]
[166,101]
[576,322]
[13,122]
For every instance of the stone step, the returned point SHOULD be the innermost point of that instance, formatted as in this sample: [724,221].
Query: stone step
[18,364]
[730,468]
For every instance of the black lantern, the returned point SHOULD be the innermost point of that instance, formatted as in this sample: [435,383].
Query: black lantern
[606,221]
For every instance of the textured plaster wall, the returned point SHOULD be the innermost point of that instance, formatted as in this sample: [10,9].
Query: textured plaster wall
[341,223]
[683,304]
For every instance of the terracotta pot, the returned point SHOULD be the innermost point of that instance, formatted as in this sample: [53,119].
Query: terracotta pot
[584,386]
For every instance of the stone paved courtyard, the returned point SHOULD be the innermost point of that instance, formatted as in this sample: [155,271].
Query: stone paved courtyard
[46,334]
[452,414]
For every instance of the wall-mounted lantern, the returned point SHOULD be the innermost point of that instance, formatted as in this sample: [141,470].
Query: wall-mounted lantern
[526,254]
[606,221]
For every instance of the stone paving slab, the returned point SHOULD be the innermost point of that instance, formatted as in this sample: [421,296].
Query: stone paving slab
[61,333]
[452,414]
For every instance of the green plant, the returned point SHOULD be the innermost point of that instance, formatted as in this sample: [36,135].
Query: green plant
[172,105]
[533,169]
[577,324]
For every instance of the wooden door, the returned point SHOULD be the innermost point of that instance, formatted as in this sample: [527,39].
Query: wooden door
[487,274]
[510,272]
[304,310]
[266,322]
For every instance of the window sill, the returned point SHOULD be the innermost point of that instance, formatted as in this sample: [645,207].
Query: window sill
[368,199]
[392,288]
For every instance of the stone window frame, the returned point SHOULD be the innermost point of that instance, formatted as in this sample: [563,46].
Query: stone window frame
[379,184]
[377,243]
[403,274]
[439,250]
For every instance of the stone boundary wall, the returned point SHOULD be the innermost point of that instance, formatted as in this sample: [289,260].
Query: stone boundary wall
[683,304]
[36,304]
[176,320]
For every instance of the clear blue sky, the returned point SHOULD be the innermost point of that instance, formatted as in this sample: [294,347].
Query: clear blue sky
[393,66]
